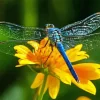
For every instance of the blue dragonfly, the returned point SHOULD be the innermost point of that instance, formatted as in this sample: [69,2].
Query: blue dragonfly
[63,39]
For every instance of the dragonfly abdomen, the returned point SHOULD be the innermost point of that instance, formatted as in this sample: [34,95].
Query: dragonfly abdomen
[62,51]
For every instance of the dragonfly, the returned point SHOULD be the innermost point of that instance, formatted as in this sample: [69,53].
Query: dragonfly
[63,38]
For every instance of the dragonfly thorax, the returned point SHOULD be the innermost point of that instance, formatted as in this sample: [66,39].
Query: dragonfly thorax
[54,35]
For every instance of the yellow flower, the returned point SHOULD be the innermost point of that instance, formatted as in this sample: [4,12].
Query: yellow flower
[53,65]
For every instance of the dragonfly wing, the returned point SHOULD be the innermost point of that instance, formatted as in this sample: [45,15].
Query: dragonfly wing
[17,32]
[83,27]
[90,42]
[7,47]
[16,35]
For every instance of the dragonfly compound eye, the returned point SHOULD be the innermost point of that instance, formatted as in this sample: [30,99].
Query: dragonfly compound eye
[47,26]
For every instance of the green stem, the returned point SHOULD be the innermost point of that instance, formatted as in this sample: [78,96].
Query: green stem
[40,97]
[36,94]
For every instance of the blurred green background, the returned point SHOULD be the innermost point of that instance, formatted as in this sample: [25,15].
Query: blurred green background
[15,82]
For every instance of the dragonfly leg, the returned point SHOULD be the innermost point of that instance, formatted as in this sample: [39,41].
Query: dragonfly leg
[49,54]
[45,44]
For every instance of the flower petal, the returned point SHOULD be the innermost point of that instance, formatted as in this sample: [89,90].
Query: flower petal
[19,65]
[26,61]
[53,86]
[75,54]
[83,98]
[77,48]
[88,71]
[88,87]
[21,49]
[34,44]
[38,80]
[63,76]
[21,56]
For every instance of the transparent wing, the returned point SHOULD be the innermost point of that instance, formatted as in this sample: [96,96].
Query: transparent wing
[7,47]
[17,35]
[83,27]
[17,32]
[90,42]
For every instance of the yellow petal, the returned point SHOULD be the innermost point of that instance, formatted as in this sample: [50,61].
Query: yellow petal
[79,56]
[88,87]
[19,65]
[22,49]
[34,44]
[83,98]
[89,71]
[63,76]
[21,56]
[26,61]
[76,48]
[38,80]
[74,54]
[53,86]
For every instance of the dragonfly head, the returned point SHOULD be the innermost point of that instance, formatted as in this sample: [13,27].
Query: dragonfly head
[47,26]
